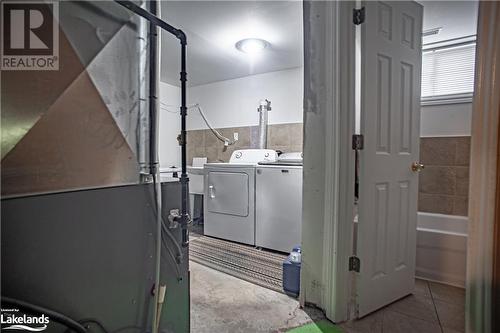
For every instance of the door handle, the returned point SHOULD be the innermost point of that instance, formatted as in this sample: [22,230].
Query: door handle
[417,167]
[211,191]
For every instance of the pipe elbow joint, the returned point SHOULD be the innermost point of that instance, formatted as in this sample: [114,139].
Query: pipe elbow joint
[182,37]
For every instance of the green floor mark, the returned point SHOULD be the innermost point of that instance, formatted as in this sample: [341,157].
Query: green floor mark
[322,326]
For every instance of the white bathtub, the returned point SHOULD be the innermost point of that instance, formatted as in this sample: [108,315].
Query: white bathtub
[441,248]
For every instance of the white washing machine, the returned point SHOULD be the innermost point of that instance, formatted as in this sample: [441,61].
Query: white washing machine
[278,192]
[230,195]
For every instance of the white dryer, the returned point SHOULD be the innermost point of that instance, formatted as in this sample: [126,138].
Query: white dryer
[230,195]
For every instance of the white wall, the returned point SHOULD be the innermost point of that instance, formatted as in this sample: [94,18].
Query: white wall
[233,103]
[170,126]
[230,103]
[446,120]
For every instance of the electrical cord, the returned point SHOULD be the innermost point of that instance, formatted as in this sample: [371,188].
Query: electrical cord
[128,328]
[176,264]
[218,135]
[177,260]
[101,326]
[172,238]
[90,320]
[227,142]
[170,111]
[71,324]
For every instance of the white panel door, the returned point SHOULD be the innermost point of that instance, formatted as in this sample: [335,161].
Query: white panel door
[390,123]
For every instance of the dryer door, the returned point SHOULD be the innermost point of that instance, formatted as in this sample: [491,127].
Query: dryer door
[228,193]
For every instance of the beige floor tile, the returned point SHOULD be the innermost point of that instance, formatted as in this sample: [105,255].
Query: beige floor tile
[416,306]
[451,315]
[422,288]
[395,322]
[417,312]
[450,330]
[447,293]
[370,323]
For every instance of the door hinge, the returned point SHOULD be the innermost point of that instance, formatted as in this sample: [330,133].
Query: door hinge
[357,141]
[358,16]
[354,264]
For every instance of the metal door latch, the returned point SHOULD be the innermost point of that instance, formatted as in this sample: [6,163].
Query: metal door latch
[417,167]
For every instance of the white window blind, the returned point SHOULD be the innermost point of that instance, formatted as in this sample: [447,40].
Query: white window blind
[448,72]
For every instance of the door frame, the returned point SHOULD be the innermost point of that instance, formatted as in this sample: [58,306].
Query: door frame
[339,169]
[331,99]
[339,284]
[338,223]
[482,262]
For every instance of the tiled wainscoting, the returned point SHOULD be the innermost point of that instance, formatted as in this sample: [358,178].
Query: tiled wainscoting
[444,183]
[202,143]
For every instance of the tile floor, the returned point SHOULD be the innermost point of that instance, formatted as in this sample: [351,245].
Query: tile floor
[222,303]
[434,307]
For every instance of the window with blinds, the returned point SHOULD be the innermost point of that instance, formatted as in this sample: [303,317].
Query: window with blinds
[448,72]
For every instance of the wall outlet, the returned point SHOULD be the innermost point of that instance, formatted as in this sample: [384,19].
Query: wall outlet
[235,136]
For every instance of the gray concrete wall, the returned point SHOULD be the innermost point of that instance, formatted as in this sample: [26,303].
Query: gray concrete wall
[90,254]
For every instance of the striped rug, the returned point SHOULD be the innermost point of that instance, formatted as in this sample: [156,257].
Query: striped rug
[261,267]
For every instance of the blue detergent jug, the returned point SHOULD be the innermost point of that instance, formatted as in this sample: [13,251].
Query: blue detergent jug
[291,272]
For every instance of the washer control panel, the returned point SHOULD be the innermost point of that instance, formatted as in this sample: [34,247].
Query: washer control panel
[253,156]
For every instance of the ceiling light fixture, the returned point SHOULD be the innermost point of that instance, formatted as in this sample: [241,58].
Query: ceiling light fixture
[251,45]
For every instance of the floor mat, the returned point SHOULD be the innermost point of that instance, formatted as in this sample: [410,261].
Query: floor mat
[322,326]
[261,267]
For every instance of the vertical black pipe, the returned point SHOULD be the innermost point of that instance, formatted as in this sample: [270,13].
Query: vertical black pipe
[184,177]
